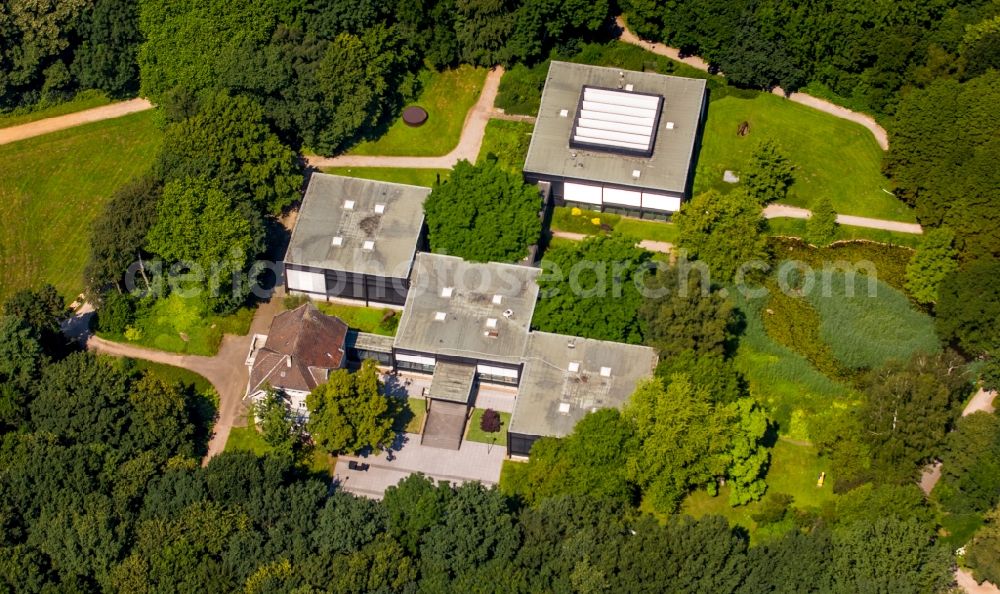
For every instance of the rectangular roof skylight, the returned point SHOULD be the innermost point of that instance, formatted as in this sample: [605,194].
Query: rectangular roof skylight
[617,121]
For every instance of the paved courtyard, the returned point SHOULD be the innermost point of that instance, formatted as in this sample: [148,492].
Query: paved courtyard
[473,462]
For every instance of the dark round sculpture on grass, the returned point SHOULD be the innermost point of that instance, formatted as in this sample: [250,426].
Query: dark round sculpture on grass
[415,116]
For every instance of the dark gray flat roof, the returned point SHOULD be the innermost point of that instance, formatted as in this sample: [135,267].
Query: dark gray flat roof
[324,216]
[553,397]
[452,382]
[366,341]
[667,170]
[474,325]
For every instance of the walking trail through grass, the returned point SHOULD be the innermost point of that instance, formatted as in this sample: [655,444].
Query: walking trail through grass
[87,116]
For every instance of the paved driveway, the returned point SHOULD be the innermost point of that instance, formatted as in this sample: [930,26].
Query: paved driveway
[473,462]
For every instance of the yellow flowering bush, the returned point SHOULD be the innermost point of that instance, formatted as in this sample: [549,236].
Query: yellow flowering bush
[576,212]
[596,221]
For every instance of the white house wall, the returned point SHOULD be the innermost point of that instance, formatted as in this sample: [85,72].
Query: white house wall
[582,193]
[622,197]
[661,202]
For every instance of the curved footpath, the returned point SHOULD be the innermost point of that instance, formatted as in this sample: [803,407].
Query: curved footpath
[815,102]
[226,370]
[468,147]
[775,211]
[87,116]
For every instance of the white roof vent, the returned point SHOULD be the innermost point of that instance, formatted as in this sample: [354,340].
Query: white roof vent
[348,205]
[670,125]
[629,87]
[337,241]
[440,316]
[497,299]
[447,291]
[564,113]
[636,173]
[368,245]
[491,322]
[508,313]
[564,408]
[379,209]
[574,366]
[605,372]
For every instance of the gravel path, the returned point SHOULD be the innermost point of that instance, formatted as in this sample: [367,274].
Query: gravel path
[816,103]
[226,370]
[775,211]
[468,145]
[87,116]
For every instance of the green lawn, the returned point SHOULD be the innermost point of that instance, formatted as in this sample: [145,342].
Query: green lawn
[413,420]
[179,325]
[476,434]
[565,219]
[51,189]
[413,177]
[508,141]
[788,227]
[832,157]
[171,374]
[447,96]
[794,471]
[82,101]
[249,439]
[652,230]
[364,319]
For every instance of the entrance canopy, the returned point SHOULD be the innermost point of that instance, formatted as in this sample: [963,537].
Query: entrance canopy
[452,382]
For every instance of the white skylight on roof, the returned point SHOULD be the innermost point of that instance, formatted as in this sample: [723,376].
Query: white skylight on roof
[605,372]
[574,366]
[564,407]
[348,205]
[670,125]
[447,291]
[379,209]
[636,173]
[611,119]
[563,113]
[440,316]
[491,322]
[629,88]
[337,241]
[368,245]
[497,299]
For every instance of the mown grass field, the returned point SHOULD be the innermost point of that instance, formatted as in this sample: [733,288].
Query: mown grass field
[794,471]
[84,100]
[447,96]
[52,187]
[834,158]
[413,177]
[508,141]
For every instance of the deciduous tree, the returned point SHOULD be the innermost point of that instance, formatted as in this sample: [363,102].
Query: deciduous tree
[725,231]
[349,413]
[821,227]
[484,214]
[934,260]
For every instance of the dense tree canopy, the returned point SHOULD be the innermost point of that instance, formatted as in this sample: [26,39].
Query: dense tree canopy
[592,289]
[970,477]
[943,159]
[680,314]
[725,231]
[934,260]
[969,306]
[483,214]
[349,412]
